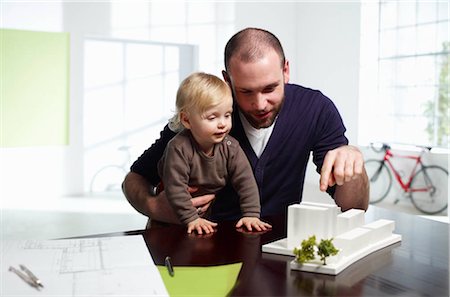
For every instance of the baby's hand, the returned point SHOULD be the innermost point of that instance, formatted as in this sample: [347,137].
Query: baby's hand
[252,223]
[201,225]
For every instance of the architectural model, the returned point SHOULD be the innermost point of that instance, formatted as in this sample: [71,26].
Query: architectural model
[350,234]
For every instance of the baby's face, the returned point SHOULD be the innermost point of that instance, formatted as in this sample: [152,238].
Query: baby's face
[212,125]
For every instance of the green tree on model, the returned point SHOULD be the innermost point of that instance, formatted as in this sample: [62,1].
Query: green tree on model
[308,247]
[306,252]
[326,249]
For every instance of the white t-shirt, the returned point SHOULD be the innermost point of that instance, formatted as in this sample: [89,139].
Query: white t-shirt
[258,138]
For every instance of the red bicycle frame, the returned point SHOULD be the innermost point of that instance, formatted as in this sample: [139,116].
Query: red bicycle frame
[405,186]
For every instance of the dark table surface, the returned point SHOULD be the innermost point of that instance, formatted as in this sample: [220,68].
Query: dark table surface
[417,266]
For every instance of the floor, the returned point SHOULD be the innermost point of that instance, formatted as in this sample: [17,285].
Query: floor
[78,216]
[69,217]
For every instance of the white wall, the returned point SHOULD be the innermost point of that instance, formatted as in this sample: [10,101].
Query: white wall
[278,18]
[96,22]
[328,53]
[22,181]
[48,172]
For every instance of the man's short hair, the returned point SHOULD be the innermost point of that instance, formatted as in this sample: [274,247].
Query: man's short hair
[251,44]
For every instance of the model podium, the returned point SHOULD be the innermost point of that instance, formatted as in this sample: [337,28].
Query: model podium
[351,236]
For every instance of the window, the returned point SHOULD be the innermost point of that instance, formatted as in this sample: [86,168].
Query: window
[206,24]
[131,79]
[404,72]
[129,93]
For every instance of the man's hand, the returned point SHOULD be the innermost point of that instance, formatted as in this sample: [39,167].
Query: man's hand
[163,211]
[253,224]
[340,166]
[136,190]
[344,167]
[201,203]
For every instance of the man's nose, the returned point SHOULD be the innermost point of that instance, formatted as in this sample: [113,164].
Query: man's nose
[259,102]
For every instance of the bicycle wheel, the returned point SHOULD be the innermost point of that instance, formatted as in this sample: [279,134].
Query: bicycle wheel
[380,179]
[429,189]
[107,179]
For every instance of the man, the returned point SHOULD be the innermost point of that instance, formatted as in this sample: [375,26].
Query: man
[277,124]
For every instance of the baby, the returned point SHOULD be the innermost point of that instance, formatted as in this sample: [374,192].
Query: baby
[204,156]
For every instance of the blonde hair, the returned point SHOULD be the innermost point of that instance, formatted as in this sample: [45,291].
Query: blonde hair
[197,93]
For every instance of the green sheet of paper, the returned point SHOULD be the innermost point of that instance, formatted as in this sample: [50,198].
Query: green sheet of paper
[200,281]
[34,80]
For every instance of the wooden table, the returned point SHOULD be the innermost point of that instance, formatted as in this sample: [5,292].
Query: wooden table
[417,266]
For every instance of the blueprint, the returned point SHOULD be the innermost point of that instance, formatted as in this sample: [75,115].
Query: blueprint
[104,266]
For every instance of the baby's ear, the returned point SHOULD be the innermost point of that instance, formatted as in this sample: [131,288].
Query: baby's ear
[184,119]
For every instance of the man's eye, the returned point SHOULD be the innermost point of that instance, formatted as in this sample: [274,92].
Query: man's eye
[268,90]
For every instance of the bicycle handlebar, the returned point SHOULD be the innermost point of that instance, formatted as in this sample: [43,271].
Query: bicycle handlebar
[425,148]
[384,147]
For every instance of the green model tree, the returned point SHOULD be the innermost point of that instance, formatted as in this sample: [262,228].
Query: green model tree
[326,249]
[307,252]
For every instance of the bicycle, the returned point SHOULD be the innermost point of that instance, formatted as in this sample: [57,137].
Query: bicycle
[109,178]
[426,185]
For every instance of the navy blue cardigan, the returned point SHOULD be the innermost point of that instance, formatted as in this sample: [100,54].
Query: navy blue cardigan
[308,122]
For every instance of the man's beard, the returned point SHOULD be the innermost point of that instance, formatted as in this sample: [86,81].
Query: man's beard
[265,123]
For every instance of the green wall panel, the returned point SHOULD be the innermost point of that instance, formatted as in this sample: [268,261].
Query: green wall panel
[34,87]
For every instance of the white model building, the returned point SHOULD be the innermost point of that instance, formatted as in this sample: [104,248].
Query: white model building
[351,236]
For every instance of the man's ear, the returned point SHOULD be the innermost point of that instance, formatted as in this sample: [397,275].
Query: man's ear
[286,71]
[226,77]
[184,119]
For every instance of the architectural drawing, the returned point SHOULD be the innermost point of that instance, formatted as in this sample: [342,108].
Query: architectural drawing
[103,266]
